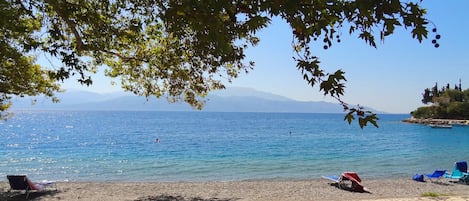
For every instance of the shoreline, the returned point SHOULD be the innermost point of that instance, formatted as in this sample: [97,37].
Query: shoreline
[255,190]
[437,121]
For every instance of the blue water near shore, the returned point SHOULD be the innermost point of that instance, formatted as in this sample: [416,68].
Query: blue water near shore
[202,146]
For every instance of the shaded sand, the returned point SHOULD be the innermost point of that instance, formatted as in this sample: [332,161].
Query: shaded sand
[270,190]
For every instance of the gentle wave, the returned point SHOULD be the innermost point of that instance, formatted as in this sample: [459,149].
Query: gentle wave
[201,146]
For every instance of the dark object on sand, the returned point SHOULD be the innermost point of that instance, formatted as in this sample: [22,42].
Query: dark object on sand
[348,181]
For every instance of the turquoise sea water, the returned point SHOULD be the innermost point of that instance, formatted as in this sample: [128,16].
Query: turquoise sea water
[202,146]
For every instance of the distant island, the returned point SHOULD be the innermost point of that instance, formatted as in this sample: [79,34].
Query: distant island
[448,106]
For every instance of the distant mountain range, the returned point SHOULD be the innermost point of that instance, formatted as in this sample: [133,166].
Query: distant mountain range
[234,99]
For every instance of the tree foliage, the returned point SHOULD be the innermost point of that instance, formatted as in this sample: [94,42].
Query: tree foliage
[447,103]
[183,49]
[443,95]
[19,74]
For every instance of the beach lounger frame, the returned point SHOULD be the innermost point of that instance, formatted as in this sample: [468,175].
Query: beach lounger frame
[436,175]
[459,170]
[342,180]
[22,183]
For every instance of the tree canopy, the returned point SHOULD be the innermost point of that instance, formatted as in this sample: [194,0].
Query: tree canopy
[182,49]
[446,103]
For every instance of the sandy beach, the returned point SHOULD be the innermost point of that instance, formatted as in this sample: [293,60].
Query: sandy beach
[272,190]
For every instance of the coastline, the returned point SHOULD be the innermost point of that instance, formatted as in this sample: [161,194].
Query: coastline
[437,121]
[256,190]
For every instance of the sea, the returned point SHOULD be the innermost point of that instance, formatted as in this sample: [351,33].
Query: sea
[128,146]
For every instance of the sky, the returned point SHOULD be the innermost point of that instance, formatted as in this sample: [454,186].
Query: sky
[389,78]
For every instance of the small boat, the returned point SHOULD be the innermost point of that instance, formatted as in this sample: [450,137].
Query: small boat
[440,125]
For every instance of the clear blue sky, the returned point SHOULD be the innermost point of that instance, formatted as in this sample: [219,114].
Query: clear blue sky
[390,78]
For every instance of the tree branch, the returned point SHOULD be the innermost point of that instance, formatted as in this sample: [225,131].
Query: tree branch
[80,46]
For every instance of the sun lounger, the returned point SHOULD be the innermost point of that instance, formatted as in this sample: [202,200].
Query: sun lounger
[436,175]
[332,178]
[348,177]
[21,182]
[460,169]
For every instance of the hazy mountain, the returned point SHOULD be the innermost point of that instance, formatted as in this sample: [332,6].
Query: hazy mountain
[229,100]
[247,92]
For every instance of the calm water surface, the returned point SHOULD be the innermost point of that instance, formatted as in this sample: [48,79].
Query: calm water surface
[202,146]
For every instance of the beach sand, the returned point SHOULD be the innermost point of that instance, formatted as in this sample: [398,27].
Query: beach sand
[269,190]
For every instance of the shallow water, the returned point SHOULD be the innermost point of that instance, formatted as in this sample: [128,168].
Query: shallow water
[201,146]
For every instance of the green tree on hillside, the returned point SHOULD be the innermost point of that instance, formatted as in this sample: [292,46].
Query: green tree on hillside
[465,95]
[446,94]
[447,104]
[427,96]
[181,49]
